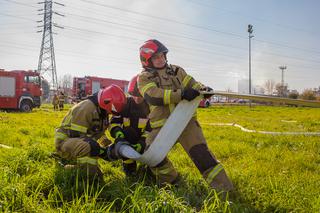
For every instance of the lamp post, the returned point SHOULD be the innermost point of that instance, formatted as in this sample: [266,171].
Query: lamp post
[250,30]
[282,68]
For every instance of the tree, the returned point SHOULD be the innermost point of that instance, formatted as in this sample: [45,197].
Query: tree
[282,90]
[269,86]
[308,94]
[293,95]
[65,82]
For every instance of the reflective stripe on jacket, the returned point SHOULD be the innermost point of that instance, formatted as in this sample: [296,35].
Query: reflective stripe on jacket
[162,91]
[83,119]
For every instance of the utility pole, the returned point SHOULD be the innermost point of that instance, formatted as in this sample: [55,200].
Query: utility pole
[250,30]
[282,68]
[47,63]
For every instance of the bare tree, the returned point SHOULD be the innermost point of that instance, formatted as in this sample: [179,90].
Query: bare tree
[65,82]
[269,86]
[282,90]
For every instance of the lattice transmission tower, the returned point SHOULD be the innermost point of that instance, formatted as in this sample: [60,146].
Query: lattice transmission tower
[47,63]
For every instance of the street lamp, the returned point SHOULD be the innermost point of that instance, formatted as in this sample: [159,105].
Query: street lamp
[250,30]
[282,68]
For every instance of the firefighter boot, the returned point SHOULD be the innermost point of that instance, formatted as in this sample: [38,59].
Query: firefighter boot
[218,179]
[210,168]
[129,167]
[165,173]
[88,168]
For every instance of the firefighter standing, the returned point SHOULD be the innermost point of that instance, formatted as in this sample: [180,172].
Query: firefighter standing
[76,138]
[163,86]
[55,102]
[132,124]
[61,101]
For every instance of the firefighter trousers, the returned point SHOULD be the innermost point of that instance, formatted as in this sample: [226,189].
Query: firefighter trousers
[194,143]
[79,150]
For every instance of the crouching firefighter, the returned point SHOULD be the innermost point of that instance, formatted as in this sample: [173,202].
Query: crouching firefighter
[132,124]
[76,138]
[163,86]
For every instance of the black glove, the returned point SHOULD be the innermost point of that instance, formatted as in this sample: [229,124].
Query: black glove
[120,139]
[111,153]
[206,89]
[140,145]
[189,94]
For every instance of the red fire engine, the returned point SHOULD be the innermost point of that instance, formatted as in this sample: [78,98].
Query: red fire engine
[204,103]
[82,87]
[19,89]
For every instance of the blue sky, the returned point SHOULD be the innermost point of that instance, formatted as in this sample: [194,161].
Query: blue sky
[208,38]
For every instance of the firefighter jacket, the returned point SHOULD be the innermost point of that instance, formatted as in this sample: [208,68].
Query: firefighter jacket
[61,98]
[162,91]
[55,100]
[132,123]
[85,119]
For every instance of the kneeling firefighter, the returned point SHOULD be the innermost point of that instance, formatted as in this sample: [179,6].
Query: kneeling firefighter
[131,124]
[163,86]
[76,138]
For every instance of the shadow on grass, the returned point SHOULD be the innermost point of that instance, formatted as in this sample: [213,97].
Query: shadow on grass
[139,192]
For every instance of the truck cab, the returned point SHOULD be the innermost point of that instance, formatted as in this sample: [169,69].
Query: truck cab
[20,89]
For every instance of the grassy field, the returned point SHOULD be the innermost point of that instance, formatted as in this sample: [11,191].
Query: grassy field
[270,173]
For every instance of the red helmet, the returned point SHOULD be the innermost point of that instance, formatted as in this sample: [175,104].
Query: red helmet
[112,99]
[133,87]
[148,49]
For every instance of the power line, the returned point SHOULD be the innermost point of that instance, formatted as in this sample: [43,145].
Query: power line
[294,28]
[186,24]
[194,26]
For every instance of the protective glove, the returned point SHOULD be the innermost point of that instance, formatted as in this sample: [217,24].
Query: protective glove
[189,94]
[120,139]
[206,89]
[111,153]
[140,146]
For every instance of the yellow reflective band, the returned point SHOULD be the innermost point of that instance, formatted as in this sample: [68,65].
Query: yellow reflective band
[78,128]
[128,161]
[66,121]
[171,107]
[151,107]
[162,171]
[126,121]
[214,172]
[157,124]
[186,80]
[60,135]
[146,87]
[145,134]
[166,96]
[196,86]
[142,123]
[88,160]
[112,125]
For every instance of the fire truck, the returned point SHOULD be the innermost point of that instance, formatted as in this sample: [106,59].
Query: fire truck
[20,89]
[82,87]
[204,103]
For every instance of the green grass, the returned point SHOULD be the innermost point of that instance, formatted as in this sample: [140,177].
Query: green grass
[270,173]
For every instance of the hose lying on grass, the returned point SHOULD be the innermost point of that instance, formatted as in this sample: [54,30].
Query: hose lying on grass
[5,146]
[263,132]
